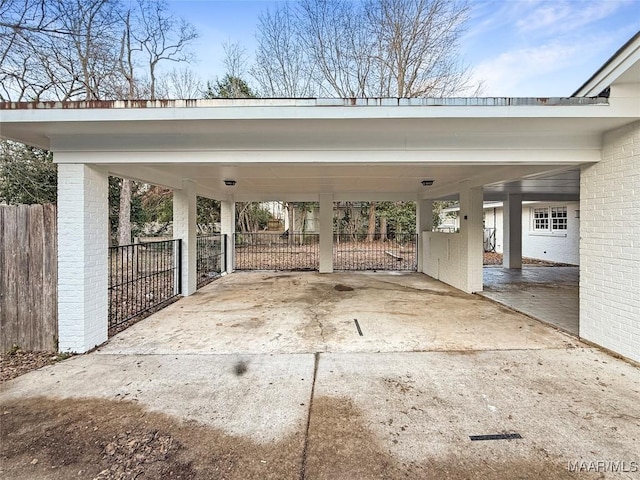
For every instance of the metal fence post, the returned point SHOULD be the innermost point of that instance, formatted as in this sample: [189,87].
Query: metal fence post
[178,266]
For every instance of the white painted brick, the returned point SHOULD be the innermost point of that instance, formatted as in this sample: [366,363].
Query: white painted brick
[610,245]
[184,228]
[82,257]
[456,258]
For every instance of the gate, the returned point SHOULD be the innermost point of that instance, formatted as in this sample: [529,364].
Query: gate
[371,252]
[210,257]
[143,277]
[277,251]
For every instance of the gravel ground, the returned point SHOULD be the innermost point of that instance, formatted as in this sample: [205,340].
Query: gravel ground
[492,258]
[16,363]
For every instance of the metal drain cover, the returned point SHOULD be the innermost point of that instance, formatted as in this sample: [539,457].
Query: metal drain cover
[497,436]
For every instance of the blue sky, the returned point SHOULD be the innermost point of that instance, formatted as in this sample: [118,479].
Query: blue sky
[526,48]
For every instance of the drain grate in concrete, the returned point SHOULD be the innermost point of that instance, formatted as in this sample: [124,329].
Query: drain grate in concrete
[498,436]
[355,320]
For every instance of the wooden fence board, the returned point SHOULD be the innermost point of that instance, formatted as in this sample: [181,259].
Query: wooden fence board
[28,277]
[36,267]
[50,276]
[21,278]
[9,244]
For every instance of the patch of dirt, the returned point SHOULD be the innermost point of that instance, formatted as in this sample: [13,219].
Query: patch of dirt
[46,438]
[493,258]
[343,288]
[18,362]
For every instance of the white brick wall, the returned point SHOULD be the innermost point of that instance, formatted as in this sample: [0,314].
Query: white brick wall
[442,258]
[610,245]
[456,258]
[82,257]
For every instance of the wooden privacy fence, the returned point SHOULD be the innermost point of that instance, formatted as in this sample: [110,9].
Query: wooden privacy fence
[28,277]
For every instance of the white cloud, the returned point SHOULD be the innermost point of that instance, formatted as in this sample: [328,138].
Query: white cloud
[564,16]
[541,70]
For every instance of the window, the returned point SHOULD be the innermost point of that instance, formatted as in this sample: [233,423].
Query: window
[540,219]
[550,219]
[558,218]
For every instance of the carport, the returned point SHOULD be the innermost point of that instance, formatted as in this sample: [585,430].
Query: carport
[329,150]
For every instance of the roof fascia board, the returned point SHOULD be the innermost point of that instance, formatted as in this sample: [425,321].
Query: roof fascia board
[605,76]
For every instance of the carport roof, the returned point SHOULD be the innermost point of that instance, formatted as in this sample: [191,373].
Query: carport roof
[298,148]
[365,149]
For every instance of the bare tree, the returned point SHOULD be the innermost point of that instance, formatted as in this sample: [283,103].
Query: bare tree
[89,54]
[124,216]
[416,47]
[182,83]
[282,67]
[375,48]
[335,37]
[89,49]
[162,37]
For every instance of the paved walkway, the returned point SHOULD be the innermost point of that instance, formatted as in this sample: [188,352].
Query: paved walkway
[549,294]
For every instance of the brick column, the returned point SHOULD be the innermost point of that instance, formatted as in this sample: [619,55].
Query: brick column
[83,241]
[471,232]
[326,233]
[228,228]
[184,228]
[424,223]
[512,232]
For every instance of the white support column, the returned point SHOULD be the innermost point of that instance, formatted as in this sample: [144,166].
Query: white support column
[83,251]
[184,228]
[228,228]
[326,232]
[512,232]
[424,223]
[471,245]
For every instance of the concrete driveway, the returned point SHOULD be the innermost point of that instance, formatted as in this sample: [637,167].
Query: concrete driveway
[265,375]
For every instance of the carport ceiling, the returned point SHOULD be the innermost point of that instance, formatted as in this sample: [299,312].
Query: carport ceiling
[562,185]
[259,181]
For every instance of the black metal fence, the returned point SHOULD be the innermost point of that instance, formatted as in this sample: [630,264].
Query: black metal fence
[371,252]
[210,257]
[277,251]
[142,278]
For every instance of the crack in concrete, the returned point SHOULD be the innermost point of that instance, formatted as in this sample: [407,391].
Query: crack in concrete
[303,465]
[316,318]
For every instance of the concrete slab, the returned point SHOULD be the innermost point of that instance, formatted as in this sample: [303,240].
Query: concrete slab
[204,389]
[411,414]
[349,411]
[262,312]
[372,415]
[548,294]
